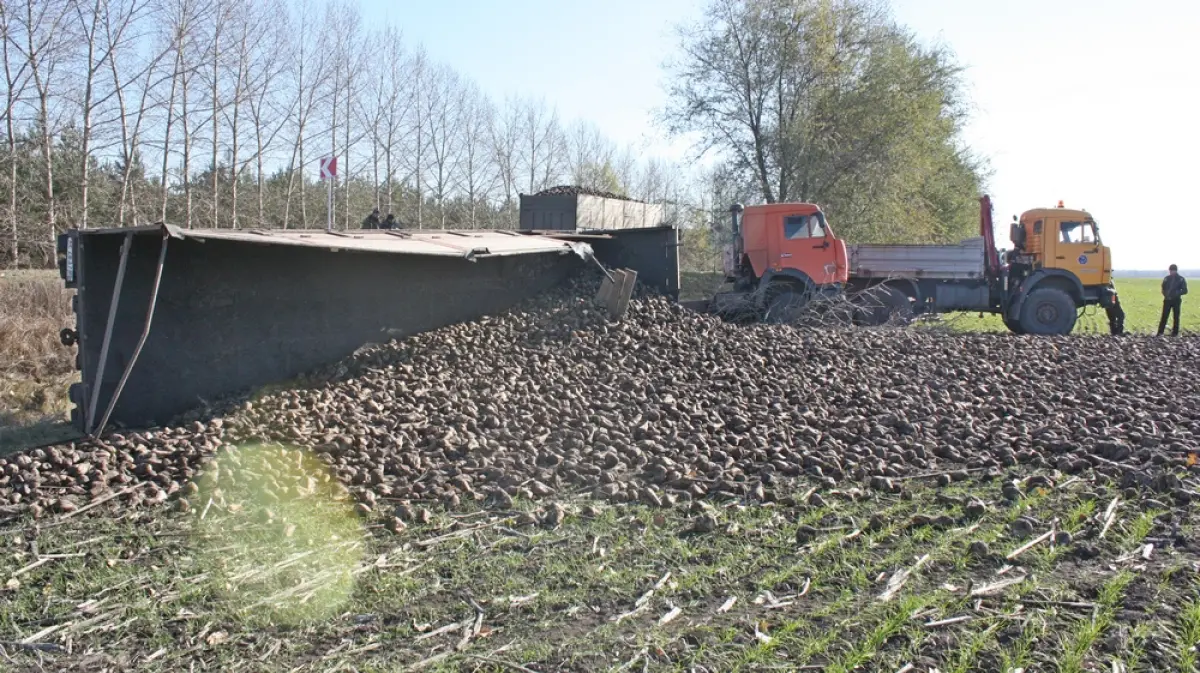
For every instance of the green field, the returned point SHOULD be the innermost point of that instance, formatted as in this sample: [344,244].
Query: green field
[1140,297]
[615,588]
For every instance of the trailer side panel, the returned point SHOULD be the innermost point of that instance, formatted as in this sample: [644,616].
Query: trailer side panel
[951,262]
[235,315]
[652,252]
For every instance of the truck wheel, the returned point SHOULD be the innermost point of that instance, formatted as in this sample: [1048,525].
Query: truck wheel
[785,305]
[881,305]
[1048,311]
[1013,326]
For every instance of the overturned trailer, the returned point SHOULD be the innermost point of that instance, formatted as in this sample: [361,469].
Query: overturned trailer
[568,209]
[169,319]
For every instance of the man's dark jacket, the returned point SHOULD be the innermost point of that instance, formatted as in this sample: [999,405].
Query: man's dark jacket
[1174,287]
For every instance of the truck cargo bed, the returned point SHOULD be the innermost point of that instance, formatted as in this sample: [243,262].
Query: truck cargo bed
[964,260]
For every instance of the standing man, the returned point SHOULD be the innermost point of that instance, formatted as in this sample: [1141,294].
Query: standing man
[1174,286]
[372,220]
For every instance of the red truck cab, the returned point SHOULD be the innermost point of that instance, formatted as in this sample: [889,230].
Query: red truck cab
[781,241]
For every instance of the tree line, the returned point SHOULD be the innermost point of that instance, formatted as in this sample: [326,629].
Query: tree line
[214,113]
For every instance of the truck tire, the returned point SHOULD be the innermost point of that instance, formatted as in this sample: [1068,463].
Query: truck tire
[1048,311]
[785,304]
[881,305]
[1013,326]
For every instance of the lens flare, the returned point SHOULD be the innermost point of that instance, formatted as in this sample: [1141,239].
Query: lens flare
[276,535]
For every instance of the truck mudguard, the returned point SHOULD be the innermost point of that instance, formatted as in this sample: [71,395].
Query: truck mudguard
[1037,278]
[907,286]
[791,274]
[773,275]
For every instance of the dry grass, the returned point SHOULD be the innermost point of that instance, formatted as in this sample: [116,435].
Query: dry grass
[35,369]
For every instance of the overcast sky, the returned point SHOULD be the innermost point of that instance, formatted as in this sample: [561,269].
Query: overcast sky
[1094,102]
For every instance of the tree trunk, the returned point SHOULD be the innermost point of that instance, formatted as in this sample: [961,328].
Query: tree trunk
[235,168]
[216,106]
[176,75]
[187,154]
[420,153]
[303,196]
[235,171]
[89,80]
[333,129]
[11,94]
[375,167]
[387,159]
[346,153]
[126,154]
[259,161]
[43,118]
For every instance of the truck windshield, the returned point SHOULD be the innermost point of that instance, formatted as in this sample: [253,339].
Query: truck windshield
[1077,232]
[804,226]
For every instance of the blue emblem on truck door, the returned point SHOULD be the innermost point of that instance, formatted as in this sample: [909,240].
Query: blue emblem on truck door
[1083,259]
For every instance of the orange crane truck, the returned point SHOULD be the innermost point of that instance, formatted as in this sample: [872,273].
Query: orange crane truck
[786,257]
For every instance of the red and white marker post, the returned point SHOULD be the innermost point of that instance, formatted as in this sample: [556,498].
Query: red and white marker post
[329,175]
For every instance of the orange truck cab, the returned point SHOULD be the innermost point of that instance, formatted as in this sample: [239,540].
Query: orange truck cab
[784,249]
[1059,249]
[1063,239]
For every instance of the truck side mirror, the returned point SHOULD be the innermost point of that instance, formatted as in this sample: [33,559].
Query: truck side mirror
[1016,234]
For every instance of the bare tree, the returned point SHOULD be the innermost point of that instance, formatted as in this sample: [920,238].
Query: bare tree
[625,168]
[185,82]
[180,20]
[252,70]
[129,70]
[45,49]
[589,157]
[477,174]
[105,26]
[343,40]
[341,33]
[269,116]
[419,72]
[541,144]
[442,116]
[370,113]
[216,56]
[651,184]
[15,80]
[505,137]
[311,66]
[393,82]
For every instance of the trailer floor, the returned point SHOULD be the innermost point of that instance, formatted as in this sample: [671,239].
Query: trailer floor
[610,588]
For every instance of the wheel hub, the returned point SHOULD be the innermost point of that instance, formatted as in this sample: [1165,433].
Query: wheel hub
[1047,313]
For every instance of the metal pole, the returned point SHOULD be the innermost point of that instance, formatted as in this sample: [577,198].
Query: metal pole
[329,203]
[112,403]
[98,382]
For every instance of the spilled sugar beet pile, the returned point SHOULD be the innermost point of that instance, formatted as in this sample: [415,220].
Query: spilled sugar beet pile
[550,399]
